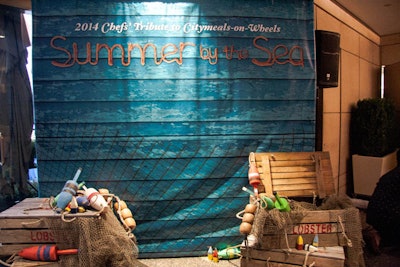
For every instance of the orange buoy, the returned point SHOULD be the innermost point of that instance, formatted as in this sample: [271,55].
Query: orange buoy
[45,253]
[248,217]
[103,191]
[130,222]
[251,208]
[126,213]
[120,203]
[245,228]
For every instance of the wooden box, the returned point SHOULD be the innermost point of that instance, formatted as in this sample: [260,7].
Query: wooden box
[302,174]
[330,225]
[335,228]
[25,224]
[295,174]
[329,256]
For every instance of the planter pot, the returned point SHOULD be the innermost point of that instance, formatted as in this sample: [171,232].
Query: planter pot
[368,170]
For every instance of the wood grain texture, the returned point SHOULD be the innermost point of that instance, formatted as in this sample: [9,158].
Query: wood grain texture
[296,174]
[168,124]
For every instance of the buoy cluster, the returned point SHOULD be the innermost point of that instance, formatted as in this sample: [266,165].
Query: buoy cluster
[258,199]
[76,197]
[126,216]
[308,247]
[213,254]
[120,208]
[248,218]
[267,202]
[80,200]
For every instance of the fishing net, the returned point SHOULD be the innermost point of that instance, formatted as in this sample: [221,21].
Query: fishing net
[281,222]
[102,241]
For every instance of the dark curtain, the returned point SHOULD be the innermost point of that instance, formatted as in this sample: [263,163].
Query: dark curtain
[16,107]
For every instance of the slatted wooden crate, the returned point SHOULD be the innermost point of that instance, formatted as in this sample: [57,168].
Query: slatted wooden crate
[296,174]
[328,257]
[20,262]
[300,174]
[24,225]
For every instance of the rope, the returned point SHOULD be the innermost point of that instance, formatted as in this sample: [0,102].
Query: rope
[5,264]
[11,259]
[30,223]
[306,259]
[39,207]
[127,229]
[238,215]
[267,265]
[287,241]
[264,201]
[314,200]
[65,220]
[349,243]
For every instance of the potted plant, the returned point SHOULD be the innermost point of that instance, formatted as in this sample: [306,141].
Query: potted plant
[374,142]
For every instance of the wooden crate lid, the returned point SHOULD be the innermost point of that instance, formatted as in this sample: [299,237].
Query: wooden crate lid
[38,208]
[295,174]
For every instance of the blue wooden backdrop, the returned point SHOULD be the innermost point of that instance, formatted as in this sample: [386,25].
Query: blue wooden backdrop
[162,102]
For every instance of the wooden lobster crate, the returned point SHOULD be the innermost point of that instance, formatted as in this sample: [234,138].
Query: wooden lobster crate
[24,225]
[300,174]
[329,256]
[330,225]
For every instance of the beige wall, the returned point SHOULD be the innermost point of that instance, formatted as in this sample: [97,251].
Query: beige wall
[359,77]
[390,55]
[390,49]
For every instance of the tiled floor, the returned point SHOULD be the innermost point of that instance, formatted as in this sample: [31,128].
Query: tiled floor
[389,257]
[189,262]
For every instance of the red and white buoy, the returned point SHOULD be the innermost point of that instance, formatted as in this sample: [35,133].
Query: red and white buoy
[96,200]
[254,175]
[45,253]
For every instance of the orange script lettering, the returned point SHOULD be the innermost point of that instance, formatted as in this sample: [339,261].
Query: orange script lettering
[169,53]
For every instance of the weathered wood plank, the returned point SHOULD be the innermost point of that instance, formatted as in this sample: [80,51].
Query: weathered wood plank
[294,187]
[279,241]
[298,181]
[169,131]
[293,172]
[147,148]
[180,89]
[173,111]
[286,163]
[135,130]
[200,68]
[284,156]
[330,256]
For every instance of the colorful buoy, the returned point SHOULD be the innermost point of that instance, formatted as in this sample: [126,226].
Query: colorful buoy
[45,253]
[299,243]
